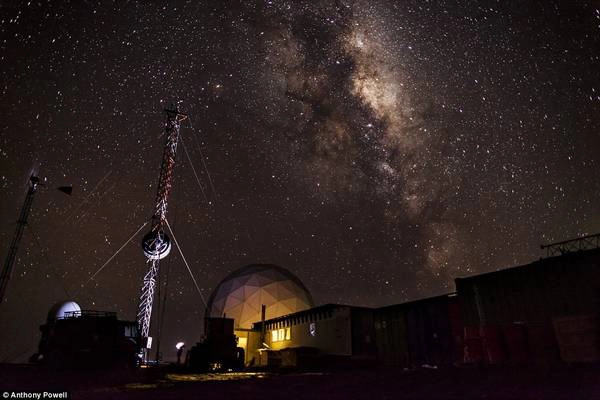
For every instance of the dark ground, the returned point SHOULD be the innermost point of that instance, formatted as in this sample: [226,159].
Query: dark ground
[575,382]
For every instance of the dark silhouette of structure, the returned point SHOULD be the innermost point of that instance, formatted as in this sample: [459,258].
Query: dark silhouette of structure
[14,244]
[34,184]
[588,242]
[218,351]
[88,339]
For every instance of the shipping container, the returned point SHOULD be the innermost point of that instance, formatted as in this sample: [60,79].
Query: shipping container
[419,333]
[578,338]
[533,293]
[362,333]
[473,346]
[543,345]
[516,308]
[391,336]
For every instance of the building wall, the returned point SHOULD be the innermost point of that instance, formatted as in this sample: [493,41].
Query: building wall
[421,332]
[325,328]
[363,333]
[537,292]
[391,336]
[517,315]
[249,340]
[501,317]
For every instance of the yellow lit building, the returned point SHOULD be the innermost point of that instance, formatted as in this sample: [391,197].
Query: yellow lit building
[330,330]
[243,293]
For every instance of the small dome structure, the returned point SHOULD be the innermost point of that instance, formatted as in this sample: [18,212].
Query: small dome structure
[242,293]
[59,310]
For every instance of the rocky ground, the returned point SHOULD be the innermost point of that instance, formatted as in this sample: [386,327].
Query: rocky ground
[575,382]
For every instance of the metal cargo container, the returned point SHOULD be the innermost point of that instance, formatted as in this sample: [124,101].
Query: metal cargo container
[579,338]
[362,332]
[522,302]
[423,332]
[533,293]
[391,336]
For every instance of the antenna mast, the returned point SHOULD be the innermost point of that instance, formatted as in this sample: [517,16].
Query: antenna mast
[34,181]
[156,244]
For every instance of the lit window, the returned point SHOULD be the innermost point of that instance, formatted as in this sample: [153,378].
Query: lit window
[281,334]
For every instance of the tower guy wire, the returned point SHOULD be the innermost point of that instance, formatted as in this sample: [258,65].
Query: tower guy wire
[193,169]
[186,264]
[210,181]
[114,255]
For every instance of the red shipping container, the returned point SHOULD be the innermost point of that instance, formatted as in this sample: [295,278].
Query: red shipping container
[578,338]
[517,344]
[493,345]
[543,346]
[457,331]
[473,348]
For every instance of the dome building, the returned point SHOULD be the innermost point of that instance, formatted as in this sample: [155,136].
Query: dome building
[242,293]
[64,309]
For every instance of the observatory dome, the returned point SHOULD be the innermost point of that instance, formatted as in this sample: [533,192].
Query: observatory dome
[241,294]
[59,310]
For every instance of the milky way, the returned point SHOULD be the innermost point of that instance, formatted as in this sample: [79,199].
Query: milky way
[376,149]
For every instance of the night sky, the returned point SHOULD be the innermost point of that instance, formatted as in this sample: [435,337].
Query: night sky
[375,149]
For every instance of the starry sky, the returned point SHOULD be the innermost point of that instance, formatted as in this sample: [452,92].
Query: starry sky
[376,149]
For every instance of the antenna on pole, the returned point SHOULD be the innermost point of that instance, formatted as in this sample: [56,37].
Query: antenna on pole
[6,274]
[156,244]
[33,185]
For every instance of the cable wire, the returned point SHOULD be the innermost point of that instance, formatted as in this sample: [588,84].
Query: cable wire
[114,255]
[87,199]
[212,186]
[186,263]
[193,169]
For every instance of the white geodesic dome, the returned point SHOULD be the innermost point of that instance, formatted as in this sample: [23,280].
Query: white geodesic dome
[242,293]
